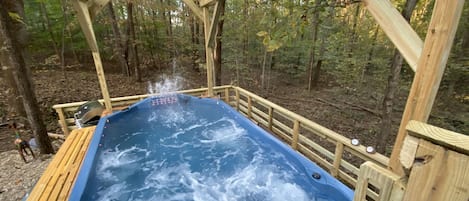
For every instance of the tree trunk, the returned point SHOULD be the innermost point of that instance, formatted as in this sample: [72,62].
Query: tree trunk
[245,33]
[64,26]
[316,71]
[170,33]
[119,50]
[15,101]
[392,87]
[353,32]
[195,54]
[217,54]
[132,42]
[45,17]
[264,64]
[12,56]
[368,66]
[314,31]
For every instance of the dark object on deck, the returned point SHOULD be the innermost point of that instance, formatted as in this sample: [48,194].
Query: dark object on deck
[88,114]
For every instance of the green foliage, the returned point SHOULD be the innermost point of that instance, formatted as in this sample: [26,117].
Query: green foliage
[16,17]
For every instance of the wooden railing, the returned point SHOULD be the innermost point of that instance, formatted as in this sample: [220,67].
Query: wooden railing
[436,162]
[332,151]
[66,111]
[320,144]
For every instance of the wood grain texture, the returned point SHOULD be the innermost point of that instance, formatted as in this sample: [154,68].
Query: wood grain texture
[409,148]
[213,25]
[389,184]
[449,139]
[86,25]
[438,174]
[62,121]
[195,9]
[431,66]
[397,29]
[424,174]
[96,7]
[208,52]
[295,134]
[58,178]
[339,152]
[453,182]
[204,3]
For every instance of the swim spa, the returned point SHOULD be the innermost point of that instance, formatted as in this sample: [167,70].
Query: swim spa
[181,147]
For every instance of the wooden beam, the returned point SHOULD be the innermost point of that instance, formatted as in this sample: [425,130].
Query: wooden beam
[389,184]
[204,3]
[208,52]
[449,139]
[85,23]
[96,7]
[213,25]
[195,9]
[339,152]
[431,66]
[397,29]
[425,172]
[87,28]
[295,134]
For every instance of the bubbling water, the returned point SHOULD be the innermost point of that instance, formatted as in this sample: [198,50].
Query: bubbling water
[203,161]
[167,85]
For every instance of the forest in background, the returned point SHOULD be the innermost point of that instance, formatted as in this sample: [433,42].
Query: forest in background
[310,45]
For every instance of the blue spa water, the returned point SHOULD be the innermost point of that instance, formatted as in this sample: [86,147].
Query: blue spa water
[182,148]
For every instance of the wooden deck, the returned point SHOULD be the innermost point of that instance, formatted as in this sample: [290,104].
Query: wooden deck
[60,175]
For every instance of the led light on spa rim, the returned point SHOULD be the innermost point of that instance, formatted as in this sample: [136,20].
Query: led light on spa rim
[355,142]
[370,149]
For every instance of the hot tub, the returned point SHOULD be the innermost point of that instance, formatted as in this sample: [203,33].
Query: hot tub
[184,148]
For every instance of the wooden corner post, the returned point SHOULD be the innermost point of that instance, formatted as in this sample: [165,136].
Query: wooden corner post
[84,18]
[430,69]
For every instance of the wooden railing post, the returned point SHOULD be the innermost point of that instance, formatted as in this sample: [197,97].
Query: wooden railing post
[339,152]
[250,107]
[296,133]
[227,96]
[62,121]
[271,117]
[237,99]
[389,184]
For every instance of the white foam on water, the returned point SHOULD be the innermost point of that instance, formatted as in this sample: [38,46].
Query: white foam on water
[257,181]
[112,159]
[167,85]
[171,117]
[114,192]
[227,131]
[254,179]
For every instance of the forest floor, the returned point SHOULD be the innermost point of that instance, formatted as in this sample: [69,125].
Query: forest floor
[351,112]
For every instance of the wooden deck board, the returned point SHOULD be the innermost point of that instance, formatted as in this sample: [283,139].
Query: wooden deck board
[58,178]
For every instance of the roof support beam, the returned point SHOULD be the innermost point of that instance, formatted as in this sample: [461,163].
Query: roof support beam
[397,29]
[96,7]
[204,3]
[84,18]
[208,53]
[430,69]
[213,25]
[195,9]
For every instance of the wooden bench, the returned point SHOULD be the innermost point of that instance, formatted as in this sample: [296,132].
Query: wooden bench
[59,177]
